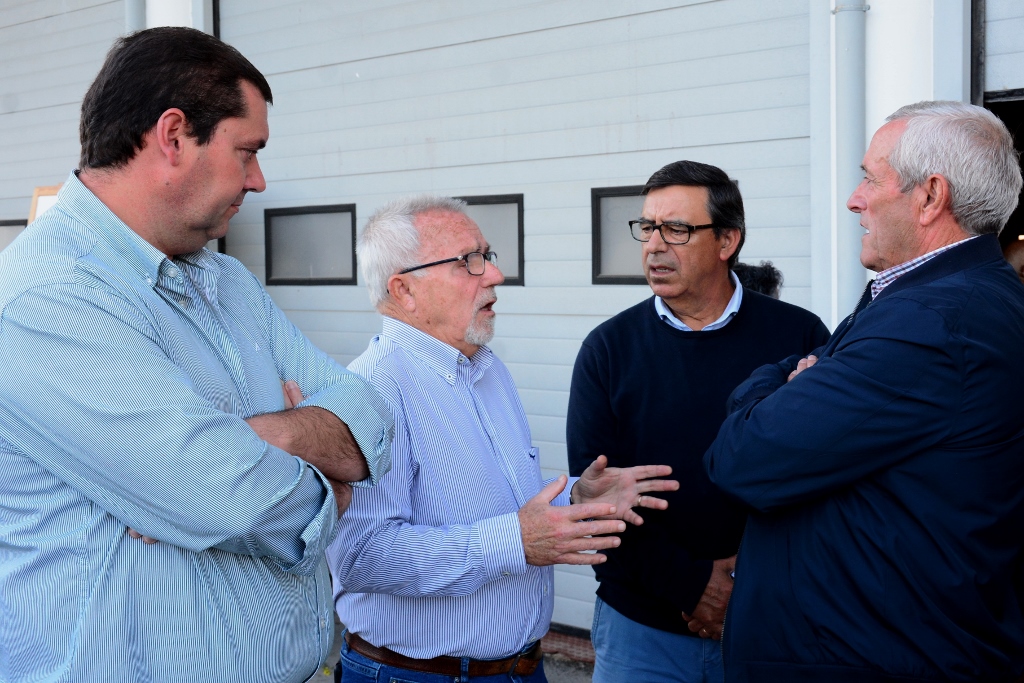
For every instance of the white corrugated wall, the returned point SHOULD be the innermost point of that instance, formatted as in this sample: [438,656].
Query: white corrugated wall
[1004,45]
[549,99]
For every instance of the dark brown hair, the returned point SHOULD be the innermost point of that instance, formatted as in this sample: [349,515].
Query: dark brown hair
[148,72]
[725,204]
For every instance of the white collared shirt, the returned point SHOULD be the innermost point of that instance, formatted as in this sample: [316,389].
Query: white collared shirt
[666,314]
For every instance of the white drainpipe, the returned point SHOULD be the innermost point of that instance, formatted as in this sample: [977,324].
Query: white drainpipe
[850,146]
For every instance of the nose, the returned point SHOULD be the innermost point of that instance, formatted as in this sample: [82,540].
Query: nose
[655,244]
[856,201]
[254,180]
[492,274]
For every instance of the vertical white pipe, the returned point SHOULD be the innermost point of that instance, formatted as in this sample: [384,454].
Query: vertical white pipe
[134,15]
[168,13]
[850,146]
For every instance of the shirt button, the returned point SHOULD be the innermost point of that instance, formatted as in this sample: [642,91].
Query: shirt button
[172,272]
[323,623]
[506,573]
[462,359]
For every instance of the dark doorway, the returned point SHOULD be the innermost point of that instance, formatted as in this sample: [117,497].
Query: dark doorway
[1009,106]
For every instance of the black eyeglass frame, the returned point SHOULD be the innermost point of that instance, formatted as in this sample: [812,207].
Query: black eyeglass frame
[677,226]
[488,257]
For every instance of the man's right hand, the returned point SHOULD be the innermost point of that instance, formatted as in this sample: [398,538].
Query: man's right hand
[342,494]
[556,535]
[709,614]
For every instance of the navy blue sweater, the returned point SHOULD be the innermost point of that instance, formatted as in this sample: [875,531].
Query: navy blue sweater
[888,479]
[646,393]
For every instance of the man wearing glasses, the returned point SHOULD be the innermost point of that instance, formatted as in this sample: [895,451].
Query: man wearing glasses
[445,569]
[650,386]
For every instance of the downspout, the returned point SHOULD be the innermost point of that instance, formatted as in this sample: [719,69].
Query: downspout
[134,15]
[850,147]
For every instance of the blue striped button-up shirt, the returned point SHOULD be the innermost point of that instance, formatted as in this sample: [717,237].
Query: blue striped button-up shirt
[431,562]
[126,380]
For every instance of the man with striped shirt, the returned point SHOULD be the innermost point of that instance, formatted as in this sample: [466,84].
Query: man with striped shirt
[444,569]
[140,390]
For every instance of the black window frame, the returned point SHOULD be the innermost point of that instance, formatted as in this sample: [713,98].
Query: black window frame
[518,199]
[7,223]
[269,214]
[596,195]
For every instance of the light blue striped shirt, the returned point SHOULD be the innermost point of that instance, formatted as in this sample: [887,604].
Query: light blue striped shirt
[430,562]
[126,377]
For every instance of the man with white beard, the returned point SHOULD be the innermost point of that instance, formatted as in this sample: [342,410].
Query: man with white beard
[445,568]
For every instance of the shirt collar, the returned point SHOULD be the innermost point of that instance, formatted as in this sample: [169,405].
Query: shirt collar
[731,309]
[889,275]
[146,260]
[443,358]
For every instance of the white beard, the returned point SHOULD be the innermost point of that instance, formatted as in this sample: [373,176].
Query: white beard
[480,333]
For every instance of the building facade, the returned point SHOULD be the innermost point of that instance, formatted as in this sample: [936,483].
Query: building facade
[546,116]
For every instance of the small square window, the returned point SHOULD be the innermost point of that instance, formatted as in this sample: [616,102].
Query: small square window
[616,255]
[9,230]
[500,217]
[311,245]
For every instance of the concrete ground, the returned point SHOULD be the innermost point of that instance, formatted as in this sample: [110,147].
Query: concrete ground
[559,667]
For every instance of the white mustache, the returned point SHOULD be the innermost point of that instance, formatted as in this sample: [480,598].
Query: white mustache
[486,298]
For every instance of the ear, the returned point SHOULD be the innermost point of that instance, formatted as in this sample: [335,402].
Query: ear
[401,292]
[934,198]
[169,134]
[728,243]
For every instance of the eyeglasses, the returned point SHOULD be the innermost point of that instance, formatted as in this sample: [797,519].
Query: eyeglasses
[671,233]
[475,262]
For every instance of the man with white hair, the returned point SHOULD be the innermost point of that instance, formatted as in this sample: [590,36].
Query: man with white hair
[886,470]
[445,570]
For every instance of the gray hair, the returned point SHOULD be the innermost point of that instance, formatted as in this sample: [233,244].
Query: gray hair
[968,146]
[390,241]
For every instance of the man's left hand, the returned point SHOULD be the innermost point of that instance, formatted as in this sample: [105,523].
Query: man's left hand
[709,614]
[804,364]
[623,487]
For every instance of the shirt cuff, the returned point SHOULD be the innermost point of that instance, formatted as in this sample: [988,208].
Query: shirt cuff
[562,499]
[501,542]
[356,403]
[318,534]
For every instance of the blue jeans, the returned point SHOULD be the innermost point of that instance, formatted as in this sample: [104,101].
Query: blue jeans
[355,668]
[628,652]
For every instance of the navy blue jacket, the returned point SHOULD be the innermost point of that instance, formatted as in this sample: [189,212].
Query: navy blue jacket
[888,488]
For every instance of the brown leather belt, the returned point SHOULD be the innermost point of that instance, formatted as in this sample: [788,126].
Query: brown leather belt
[523,665]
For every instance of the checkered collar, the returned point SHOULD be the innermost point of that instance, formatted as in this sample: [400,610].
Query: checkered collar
[889,275]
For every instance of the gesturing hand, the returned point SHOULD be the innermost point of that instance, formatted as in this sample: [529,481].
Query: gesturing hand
[624,487]
[709,614]
[555,535]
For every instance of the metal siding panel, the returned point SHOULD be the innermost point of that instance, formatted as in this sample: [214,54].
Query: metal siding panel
[377,100]
[51,50]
